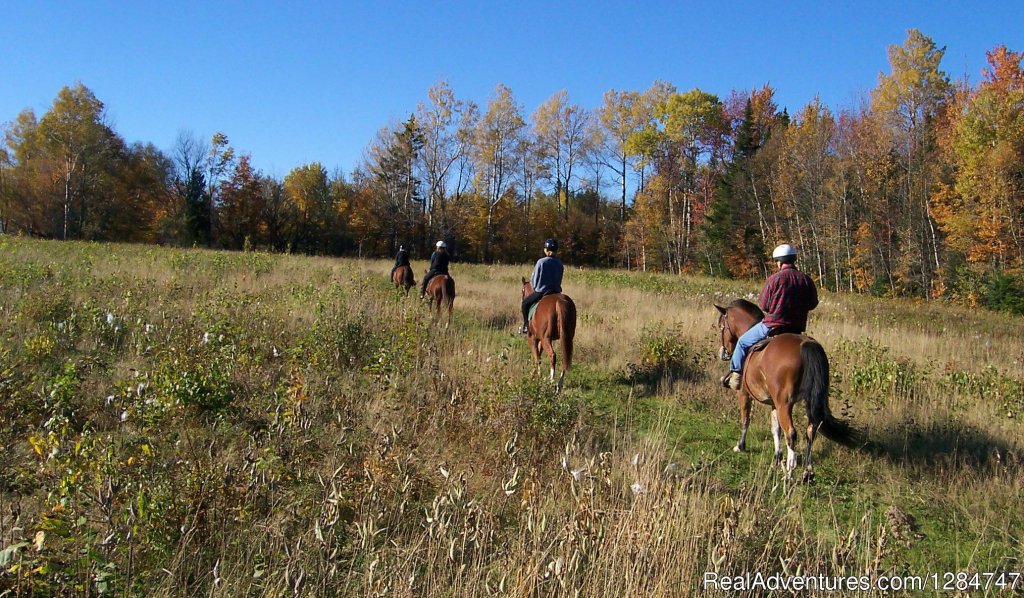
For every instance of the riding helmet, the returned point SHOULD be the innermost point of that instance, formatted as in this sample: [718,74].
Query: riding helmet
[551,244]
[441,244]
[402,247]
[784,250]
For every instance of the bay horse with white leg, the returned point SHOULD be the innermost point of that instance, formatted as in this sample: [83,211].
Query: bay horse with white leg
[403,278]
[441,291]
[554,318]
[788,369]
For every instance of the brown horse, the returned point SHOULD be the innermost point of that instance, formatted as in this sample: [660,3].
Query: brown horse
[554,319]
[792,367]
[441,290]
[402,278]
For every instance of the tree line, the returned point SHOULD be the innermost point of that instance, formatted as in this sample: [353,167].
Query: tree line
[917,190]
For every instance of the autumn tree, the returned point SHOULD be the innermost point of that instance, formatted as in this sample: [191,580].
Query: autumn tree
[561,130]
[908,100]
[985,219]
[398,198]
[309,190]
[241,213]
[495,144]
[76,141]
[445,132]
[196,209]
[619,118]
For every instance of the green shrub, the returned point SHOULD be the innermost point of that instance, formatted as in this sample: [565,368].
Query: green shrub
[664,356]
[875,374]
[1003,292]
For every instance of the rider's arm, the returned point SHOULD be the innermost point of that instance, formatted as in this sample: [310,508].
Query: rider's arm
[535,277]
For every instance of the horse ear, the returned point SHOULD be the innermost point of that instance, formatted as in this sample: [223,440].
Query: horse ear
[524,280]
[720,308]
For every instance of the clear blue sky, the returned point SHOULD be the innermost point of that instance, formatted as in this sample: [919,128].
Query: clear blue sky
[294,82]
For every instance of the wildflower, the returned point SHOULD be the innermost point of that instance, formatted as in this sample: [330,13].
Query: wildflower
[124,415]
[110,318]
[637,488]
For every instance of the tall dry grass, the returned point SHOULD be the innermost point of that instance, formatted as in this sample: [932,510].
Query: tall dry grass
[185,422]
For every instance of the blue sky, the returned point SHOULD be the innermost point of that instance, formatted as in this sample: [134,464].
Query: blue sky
[294,82]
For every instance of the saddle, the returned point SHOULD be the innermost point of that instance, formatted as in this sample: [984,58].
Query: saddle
[533,308]
[761,344]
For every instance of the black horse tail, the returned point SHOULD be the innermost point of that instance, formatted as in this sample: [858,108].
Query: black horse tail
[814,391]
[448,293]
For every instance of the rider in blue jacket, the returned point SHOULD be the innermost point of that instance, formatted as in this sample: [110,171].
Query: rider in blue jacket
[546,279]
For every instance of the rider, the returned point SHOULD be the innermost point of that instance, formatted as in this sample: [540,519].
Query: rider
[546,279]
[401,259]
[787,297]
[438,265]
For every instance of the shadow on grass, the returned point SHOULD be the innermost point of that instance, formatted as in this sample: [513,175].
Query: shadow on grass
[941,444]
[502,322]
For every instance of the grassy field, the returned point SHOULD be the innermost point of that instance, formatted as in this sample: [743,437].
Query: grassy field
[186,422]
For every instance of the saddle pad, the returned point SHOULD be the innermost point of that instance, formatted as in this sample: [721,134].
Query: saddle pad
[533,310]
[761,344]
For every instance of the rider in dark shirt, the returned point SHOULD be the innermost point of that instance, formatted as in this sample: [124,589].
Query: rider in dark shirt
[401,259]
[786,299]
[545,280]
[438,265]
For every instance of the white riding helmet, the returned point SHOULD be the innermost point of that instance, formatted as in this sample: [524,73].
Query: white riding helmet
[441,244]
[784,250]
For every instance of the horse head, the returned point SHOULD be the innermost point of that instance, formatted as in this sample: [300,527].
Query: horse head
[726,337]
[527,288]
[733,320]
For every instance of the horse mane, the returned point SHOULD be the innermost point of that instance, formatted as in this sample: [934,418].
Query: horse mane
[748,307]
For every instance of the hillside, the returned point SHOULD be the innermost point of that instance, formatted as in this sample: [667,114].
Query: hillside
[188,422]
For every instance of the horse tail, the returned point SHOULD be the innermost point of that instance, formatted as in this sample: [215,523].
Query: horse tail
[814,390]
[448,292]
[566,311]
[410,278]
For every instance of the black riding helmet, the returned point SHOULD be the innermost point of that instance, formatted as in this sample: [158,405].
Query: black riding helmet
[402,247]
[551,244]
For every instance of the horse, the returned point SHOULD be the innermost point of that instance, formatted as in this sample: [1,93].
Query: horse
[554,318]
[402,277]
[790,368]
[441,290]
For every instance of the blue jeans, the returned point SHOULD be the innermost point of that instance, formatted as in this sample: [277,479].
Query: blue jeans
[758,332]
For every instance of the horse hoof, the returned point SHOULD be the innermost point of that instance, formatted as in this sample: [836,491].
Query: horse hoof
[808,477]
[737,449]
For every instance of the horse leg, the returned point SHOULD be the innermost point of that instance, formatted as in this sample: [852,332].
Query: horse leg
[786,422]
[551,357]
[744,421]
[777,437]
[812,430]
[561,374]
[535,349]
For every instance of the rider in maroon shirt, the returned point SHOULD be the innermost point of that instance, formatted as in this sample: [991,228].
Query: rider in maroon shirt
[786,299]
